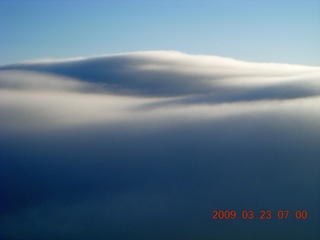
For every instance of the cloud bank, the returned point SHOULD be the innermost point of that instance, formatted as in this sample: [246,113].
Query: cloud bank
[147,144]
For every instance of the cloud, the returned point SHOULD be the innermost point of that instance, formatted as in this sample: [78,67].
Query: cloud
[143,85]
[133,144]
[174,73]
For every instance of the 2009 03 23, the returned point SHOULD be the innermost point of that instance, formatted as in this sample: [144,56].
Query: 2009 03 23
[262,214]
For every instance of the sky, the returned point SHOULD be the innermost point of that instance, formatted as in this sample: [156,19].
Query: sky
[139,119]
[284,31]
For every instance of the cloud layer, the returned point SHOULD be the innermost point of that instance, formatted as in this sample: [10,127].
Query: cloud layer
[147,144]
[148,85]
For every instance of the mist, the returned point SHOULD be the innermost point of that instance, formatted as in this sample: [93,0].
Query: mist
[146,145]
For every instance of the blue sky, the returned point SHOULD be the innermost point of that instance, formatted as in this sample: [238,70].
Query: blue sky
[261,31]
[148,144]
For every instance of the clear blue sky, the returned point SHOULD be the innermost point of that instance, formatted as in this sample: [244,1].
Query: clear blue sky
[263,30]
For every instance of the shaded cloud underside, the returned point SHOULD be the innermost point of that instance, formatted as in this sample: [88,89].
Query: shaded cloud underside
[134,144]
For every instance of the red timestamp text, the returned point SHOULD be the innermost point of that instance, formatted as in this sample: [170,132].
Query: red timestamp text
[262,214]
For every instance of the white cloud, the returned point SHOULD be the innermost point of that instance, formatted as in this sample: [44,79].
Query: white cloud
[150,86]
